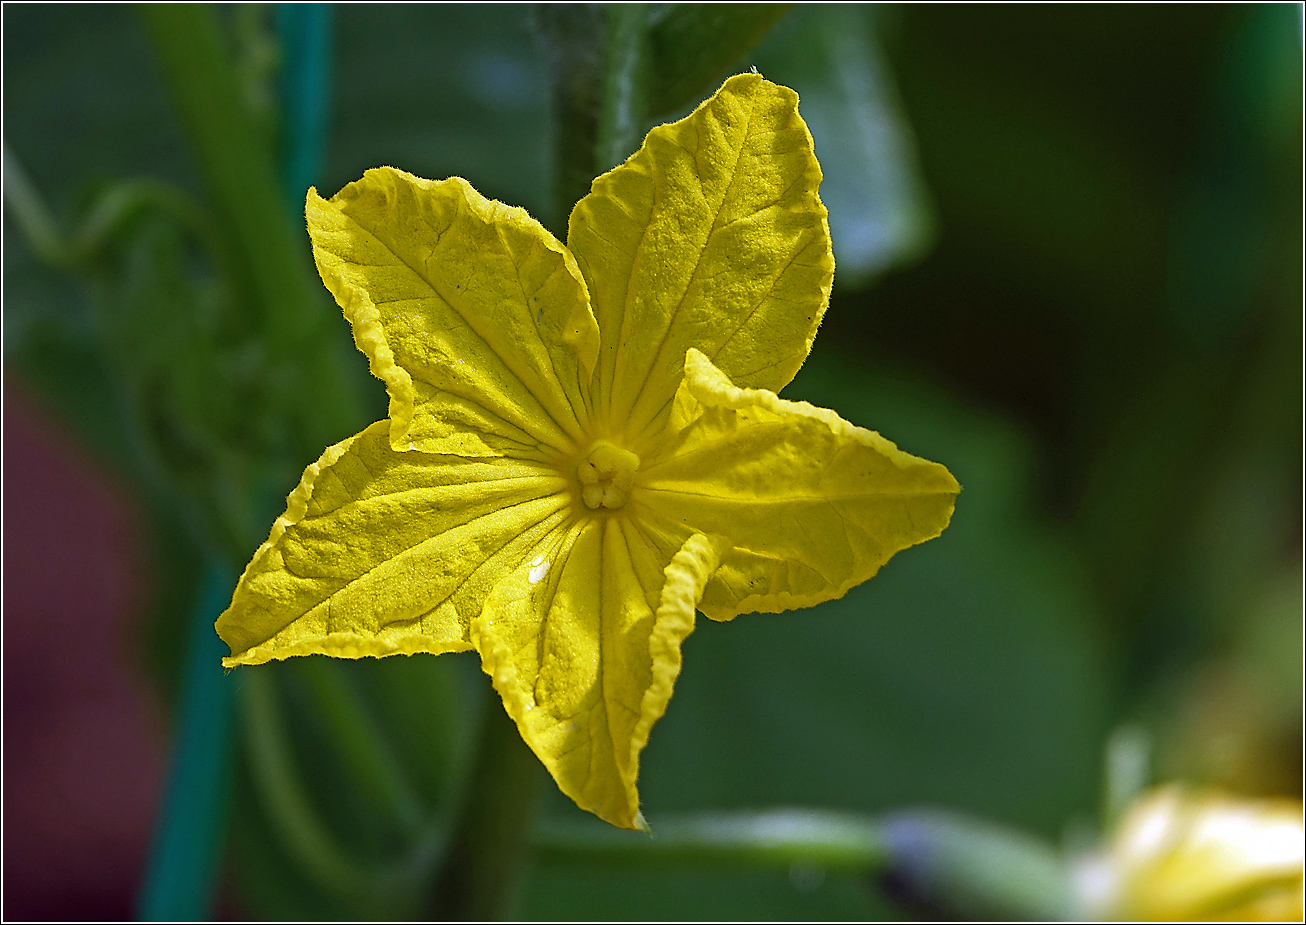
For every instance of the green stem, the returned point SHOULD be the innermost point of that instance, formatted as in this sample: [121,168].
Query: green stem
[492,839]
[236,168]
[598,57]
[270,252]
[939,863]
[573,35]
[625,85]
[389,889]
[837,841]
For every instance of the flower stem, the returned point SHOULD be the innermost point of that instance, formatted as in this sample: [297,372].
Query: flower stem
[598,55]
[939,864]
[832,840]
[493,836]
[573,37]
[625,85]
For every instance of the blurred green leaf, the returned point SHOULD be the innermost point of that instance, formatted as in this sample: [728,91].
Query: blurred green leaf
[443,90]
[218,408]
[693,47]
[879,213]
[52,335]
[163,322]
[349,817]
[188,379]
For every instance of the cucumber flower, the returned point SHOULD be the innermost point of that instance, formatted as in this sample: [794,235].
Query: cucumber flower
[584,443]
[1182,855]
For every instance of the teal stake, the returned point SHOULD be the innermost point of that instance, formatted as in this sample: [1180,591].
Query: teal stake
[187,851]
[185,858]
[304,31]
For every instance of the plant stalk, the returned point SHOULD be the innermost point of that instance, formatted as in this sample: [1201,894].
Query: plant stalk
[492,839]
[777,838]
[625,85]
[270,255]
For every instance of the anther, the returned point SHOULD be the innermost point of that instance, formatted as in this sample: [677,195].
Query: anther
[606,475]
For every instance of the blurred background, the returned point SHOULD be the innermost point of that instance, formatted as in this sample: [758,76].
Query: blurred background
[1069,248]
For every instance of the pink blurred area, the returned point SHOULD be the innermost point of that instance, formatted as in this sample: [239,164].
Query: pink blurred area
[83,752]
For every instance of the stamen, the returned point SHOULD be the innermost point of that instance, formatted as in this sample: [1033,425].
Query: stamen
[606,475]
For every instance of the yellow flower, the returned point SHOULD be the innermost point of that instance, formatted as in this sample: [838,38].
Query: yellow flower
[1184,856]
[584,443]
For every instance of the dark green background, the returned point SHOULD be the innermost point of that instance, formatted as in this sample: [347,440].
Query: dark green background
[1089,310]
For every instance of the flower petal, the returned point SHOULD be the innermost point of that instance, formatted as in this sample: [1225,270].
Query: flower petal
[710,236]
[583,645]
[812,504]
[381,553]
[1181,854]
[474,315]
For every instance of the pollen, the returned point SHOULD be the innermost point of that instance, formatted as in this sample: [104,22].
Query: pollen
[606,475]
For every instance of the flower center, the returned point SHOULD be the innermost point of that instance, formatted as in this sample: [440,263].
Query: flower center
[606,475]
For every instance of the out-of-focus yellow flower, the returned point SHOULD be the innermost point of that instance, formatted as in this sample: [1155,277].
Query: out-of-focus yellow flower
[1188,856]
